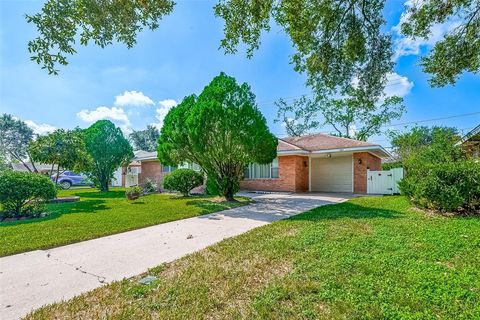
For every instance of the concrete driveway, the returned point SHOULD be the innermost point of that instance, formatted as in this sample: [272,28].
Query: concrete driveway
[33,279]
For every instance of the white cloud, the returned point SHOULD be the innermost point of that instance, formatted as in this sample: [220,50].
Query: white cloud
[397,85]
[117,115]
[41,128]
[404,46]
[133,98]
[162,110]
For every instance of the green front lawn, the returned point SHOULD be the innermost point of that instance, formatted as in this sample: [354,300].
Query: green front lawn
[99,214]
[369,258]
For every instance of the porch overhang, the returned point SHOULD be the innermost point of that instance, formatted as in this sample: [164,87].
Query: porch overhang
[375,150]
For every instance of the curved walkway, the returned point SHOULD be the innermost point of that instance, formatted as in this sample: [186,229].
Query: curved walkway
[33,279]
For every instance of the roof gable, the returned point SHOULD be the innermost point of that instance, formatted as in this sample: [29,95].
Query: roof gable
[320,141]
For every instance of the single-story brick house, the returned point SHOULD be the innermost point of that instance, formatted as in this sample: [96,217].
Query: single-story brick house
[317,162]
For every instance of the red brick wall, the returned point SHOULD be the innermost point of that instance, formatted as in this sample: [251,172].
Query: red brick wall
[293,177]
[151,170]
[368,161]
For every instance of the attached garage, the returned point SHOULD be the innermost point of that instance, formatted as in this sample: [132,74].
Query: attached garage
[332,174]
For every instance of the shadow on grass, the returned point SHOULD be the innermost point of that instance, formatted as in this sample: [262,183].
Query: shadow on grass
[101,195]
[57,210]
[209,206]
[347,210]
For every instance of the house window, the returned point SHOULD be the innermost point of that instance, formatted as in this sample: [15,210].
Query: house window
[262,171]
[168,168]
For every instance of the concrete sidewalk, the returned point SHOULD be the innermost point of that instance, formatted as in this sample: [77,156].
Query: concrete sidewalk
[33,279]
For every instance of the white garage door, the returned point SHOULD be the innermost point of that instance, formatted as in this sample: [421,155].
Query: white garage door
[332,174]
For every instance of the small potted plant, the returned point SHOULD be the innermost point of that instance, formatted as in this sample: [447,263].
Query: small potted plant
[133,193]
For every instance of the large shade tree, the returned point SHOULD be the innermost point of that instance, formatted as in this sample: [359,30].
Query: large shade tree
[63,148]
[333,39]
[108,150]
[145,139]
[353,115]
[15,136]
[221,130]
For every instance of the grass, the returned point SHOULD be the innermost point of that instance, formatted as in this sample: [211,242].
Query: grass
[369,258]
[99,214]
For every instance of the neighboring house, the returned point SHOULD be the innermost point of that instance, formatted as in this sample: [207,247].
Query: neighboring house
[471,142]
[41,168]
[317,162]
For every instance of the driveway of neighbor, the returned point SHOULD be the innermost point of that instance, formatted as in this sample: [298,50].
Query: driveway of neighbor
[32,279]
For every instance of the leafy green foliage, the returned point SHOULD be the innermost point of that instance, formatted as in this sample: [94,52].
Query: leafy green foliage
[334,40]
[61,23]
[21,191]
[459,50]
[438,174]
[183,181]
[15,136]
[108,149]
[99,214]
[133,193]
[145,139]
[444,186]
[221,130]
[439,140]
[354,110]
[211,187]
[391,165]
[64,148]
[150,186]
[368,258]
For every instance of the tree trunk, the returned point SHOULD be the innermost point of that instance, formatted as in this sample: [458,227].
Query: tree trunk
[33,164]
[58,173]
[229,194]
[104,185]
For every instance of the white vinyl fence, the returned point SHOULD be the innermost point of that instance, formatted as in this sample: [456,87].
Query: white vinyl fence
[384,181]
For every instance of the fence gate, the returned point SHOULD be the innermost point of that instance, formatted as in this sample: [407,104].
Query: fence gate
[384,181]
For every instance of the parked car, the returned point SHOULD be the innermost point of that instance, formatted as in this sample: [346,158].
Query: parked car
[68,179]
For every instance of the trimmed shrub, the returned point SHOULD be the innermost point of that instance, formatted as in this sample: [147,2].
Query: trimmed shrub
[183,180]
[150,186]
[448,186]
[24,192]
[133,193]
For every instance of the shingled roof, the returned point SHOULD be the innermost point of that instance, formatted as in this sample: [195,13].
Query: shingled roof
[321,141]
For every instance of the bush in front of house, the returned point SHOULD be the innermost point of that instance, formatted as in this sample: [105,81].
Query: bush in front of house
[448,186]
[183,180]
[133,193]
[150,186]
[22,193]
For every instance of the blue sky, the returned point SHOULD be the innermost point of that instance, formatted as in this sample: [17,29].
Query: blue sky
[135,87]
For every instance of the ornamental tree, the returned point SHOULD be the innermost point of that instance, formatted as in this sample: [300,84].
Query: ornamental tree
[64,148]
[221,130]
[15,136]
[108,150]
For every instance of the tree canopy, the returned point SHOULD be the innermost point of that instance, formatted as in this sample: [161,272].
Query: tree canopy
[64,148]
[145,139]
[221,130]
[15,136]
[334,40]
[459,50]
[353,115]
[108,149]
